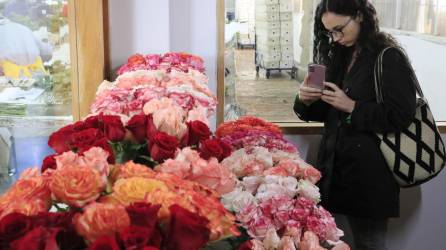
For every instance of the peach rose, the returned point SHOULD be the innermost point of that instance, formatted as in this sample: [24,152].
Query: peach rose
[26,207]
[135,189]
[174,182]
[32,188]
[67,159]
[76,186]
[157,104]
[131,169]
[170,121]
[30,173]
[167,199]
[178,168]
[199,113]
[96,158]
[101,219]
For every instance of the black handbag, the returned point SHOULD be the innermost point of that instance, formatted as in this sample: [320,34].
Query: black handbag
[416,154]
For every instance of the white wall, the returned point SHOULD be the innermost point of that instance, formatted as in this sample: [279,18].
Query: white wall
[193,27]
[150,26]
[137,26]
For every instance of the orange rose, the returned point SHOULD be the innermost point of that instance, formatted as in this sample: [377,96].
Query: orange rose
[100,220]
[32,188]
[26,207]
[131,169]
[135,189]
[221,222]
[167,199]
[76,186]
[174,183]
[136,59]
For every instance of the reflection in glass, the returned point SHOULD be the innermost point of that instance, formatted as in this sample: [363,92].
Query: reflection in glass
[35,82]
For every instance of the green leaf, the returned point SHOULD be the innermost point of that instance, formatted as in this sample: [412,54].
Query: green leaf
[146,160]
[125,151]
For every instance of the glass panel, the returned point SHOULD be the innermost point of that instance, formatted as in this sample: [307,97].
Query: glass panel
[268,43]
[35,81]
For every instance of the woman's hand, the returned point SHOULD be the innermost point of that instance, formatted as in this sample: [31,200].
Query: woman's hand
[308,95]
[337,98]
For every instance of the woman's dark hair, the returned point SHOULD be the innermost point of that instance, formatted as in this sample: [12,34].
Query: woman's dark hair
[370,37]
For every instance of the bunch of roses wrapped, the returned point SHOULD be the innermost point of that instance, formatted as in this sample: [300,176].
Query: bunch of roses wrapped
[275,198]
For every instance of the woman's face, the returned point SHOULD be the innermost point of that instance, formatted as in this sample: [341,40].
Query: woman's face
[342,29]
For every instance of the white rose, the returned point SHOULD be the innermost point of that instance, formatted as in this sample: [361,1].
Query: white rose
[309,191]
[271,240]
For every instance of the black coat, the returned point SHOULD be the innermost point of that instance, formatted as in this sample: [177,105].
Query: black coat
[356,179]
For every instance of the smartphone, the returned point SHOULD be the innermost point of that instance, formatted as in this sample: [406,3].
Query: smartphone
[316,75]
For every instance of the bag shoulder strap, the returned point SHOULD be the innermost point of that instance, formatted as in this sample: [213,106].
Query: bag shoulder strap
[378,71]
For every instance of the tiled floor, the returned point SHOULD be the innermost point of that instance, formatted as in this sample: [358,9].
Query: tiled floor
[271,99]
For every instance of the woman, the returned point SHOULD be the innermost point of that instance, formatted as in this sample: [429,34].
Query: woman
[357,181]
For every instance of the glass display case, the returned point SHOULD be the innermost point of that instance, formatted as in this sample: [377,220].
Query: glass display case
[44,68]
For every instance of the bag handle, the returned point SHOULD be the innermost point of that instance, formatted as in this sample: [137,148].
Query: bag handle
[378,71]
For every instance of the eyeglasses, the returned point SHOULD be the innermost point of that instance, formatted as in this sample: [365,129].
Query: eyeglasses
[337,32]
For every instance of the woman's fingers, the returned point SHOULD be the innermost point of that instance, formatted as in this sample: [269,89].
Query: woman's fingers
[310,89]
[331,86]
[328,99]
[329,93]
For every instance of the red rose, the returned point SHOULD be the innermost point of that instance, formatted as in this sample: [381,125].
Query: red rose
[49,162]
[36,239]
[247,245]
[12,227]
[85,138]
[187,230]
[105,242]
[93,122]
[113,128]
[156,239]
[198,131]
[79,126]
[214,148]
[59,140]
[150,248]
[51,219]
[143,214]
[163,146]
[69,239]
[135,237]
[138,126]
[151,129]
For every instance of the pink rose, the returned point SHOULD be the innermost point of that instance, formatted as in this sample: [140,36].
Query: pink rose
[178,168]
[259,227]
[171,121]
[213,175]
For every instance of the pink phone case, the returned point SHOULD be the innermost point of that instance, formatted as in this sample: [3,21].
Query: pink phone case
[316,76]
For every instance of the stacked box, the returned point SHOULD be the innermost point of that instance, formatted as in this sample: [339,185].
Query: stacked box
[274,33]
